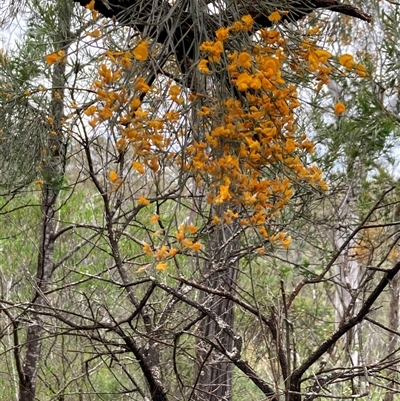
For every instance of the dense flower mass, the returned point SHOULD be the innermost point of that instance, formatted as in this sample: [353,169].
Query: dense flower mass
[250,154]
[256,134]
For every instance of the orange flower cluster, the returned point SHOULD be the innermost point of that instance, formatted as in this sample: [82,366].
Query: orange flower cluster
[318,61]
[365,249]
[252,153]
[163,253]
[348,62]
[57,57]
[144,135]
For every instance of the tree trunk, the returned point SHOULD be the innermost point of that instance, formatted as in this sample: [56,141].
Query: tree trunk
[213,369]
[43,275]
[53,174]
[347,270]
[393,338]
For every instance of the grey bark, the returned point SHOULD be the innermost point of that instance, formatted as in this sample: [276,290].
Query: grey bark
[393,336]
[213,369]
[53,172]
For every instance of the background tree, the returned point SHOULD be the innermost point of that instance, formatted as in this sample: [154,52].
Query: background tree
[41,124]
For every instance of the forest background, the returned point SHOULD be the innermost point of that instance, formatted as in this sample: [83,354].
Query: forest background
[199,200]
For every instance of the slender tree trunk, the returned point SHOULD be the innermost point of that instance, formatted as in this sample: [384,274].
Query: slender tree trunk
[53,174]
[347,266]
[347,270]
[43,276]
[393,338]
[347,274]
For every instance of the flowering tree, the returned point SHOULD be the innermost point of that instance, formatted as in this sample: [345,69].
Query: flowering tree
[185,151]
